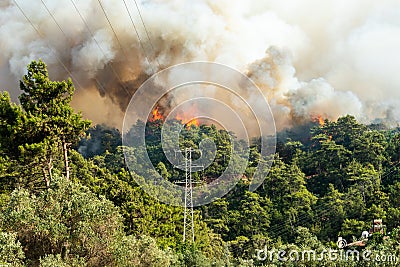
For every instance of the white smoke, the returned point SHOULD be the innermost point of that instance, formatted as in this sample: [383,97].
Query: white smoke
[309,57]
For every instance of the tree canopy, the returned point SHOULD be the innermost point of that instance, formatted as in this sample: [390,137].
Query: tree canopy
[67,198]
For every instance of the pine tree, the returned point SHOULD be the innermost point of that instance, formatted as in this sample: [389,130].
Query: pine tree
[43,128]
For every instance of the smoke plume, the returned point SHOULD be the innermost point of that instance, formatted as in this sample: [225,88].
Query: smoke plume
[309,57]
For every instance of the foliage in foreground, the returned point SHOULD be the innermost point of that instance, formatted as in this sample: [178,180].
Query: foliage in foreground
[65,207]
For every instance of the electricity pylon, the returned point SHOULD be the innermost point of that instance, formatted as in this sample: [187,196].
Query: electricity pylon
[188,224]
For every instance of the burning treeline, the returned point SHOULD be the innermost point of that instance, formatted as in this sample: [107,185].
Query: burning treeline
[187,118]
[305,64]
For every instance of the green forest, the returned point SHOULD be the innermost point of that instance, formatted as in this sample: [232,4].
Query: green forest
[68,199]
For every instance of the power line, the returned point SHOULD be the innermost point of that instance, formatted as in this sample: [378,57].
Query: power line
[147,34]
[66,37]
[112,28]
[58,25]
[48,45]
[137,34]
[97,43]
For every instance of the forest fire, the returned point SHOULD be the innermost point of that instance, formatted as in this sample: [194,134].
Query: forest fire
[321,121]
[318,119]
[186,118]
[156,115]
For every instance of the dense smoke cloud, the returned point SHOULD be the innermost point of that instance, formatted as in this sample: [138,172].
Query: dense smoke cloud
[309,57]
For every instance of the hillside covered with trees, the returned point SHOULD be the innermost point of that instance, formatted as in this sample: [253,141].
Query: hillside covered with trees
[67,198]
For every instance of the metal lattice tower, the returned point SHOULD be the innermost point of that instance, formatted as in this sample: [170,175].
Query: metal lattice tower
[188,218]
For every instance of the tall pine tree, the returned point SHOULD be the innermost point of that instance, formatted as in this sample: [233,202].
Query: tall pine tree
[46,126]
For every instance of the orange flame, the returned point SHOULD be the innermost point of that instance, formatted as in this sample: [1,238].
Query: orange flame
[318,119]
[156,115]
[187,116]
[188,119]
[183,117]
[321,121]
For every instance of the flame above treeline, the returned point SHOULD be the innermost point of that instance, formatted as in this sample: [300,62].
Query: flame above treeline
[185,118]
[319,119]
[188,119]
[156,115]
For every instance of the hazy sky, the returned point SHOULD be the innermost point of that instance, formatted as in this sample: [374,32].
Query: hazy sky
[309,57]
